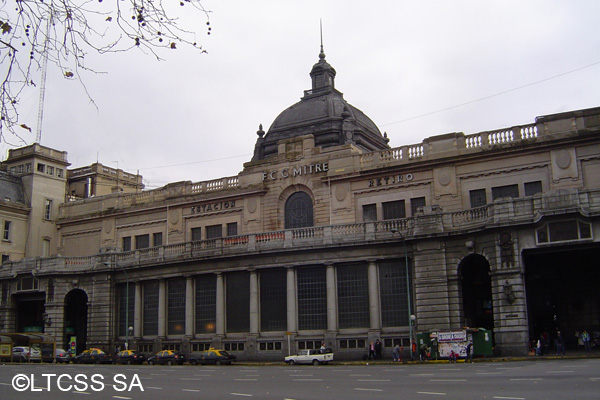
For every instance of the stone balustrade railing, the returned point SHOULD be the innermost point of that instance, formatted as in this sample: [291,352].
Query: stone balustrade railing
[503,212]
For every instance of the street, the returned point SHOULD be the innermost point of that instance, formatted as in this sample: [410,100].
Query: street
[519,380]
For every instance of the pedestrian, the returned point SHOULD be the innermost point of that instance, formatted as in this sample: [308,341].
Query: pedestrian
[413,350]
[452,358]
[423,349]
[371,350]
[323,346]
[397,354]
[587,340]
[560,344]
[378,349]
[468,350]
[539,347]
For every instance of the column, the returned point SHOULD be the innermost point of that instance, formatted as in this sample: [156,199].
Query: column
[162,309]
[331,299]
[189,306]
[220,305]
[292,312]
[374,312]
[253,302]
[137,312]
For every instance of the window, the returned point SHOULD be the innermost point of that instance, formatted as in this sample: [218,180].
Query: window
[206,303]
[142,241]
[234,346]
[416,203]
[146,348]
[269,346]
[47,209]
[394,300]
[564,231]
[353,296]
[505,191]
[393,209]
[533,188]
[298,211]
[150,311]
[478,198]
[59,172]
[28,283]
[157,239]
[28,167]
[5,258]
[312,298]
[127,243]
[20,169]
[197,347]
[126,308]
[232,229]
[6,234]
[50,170]
[236,297]
[273,300]
[369,212]
[41,167]
[45,247]
[309,344]
[196,234]
[214,231]
[176,307]
[353,343]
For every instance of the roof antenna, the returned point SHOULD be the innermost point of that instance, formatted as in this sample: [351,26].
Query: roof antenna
[322,53]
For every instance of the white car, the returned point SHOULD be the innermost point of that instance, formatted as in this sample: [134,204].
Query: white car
[314,357]
[26,353]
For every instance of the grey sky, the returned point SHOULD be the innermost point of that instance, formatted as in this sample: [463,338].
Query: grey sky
[194,117]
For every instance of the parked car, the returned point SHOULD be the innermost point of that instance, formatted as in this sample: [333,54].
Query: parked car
[93,356]
[168,357]
[314,357]
[129,357]
[26,354]
[60,356]
[211,356]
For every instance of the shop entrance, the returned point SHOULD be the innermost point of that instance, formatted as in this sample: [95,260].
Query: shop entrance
[476,292]
[30,310]
[562,292]
[76,310]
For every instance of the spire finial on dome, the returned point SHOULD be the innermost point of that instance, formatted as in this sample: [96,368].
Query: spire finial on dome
[322,53]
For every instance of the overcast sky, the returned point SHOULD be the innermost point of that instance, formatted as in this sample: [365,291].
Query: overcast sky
[416,68]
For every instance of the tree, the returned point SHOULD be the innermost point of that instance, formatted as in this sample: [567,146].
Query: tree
[63,32]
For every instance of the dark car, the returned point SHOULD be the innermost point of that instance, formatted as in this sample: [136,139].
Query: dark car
[211,356]
[129,357]
[62,356]
[168,357]
[93,356]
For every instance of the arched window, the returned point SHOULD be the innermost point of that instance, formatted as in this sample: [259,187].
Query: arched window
[298,211]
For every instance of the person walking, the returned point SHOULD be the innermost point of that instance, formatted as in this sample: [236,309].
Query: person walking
[378,349]
[469,355]
[560,344]
[587,340]
[372,350]
[397,354]
[413,350]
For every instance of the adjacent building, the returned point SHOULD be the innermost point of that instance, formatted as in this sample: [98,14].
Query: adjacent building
[326,235]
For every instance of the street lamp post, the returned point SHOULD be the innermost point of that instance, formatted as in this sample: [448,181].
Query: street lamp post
[411,317]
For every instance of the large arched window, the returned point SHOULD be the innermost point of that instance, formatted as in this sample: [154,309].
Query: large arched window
[298,211]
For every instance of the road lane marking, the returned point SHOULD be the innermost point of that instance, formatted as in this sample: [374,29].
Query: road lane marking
[422,374]
[245,379]
[305,380]
[527,379]
[433,393]
[190,379]
[488,373]
[373,380]
[121,397]
[369,390]
[153,388]
[241,394]
[509,398]
[447,380]
[560,372]
[190,390]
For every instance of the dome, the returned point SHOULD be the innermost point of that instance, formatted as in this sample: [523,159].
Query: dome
[323,113]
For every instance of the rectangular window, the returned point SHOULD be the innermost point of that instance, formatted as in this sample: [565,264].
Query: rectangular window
[393,209]
[353,296]
[176,307]
[273,300]
[533,188]
[127,243]
[41,167]
[206,303]
[126,308]
[59,172]
[312,298]
[369,212]
[196,234]
[232,229]
[45,247]
[50,170]
[142,241]
[499,192]
[393,295]
[6,234]
[150,313]
[416,203]
[5,258]
[478,198]
[20,169]
[157,239]
[214,231]
[28,167]
[47,209]
[238,305]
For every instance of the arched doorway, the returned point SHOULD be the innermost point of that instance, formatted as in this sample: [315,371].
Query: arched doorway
[476,292]
[76,309]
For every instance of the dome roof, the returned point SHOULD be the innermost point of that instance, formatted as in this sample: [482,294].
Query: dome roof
[325,114]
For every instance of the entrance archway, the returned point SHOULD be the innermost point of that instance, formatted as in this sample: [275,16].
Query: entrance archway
[76,310]
[476,292]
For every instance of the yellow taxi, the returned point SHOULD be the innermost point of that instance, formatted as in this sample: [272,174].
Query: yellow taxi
[168,357]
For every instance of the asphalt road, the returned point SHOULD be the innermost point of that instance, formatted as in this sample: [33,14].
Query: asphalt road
[522,380]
